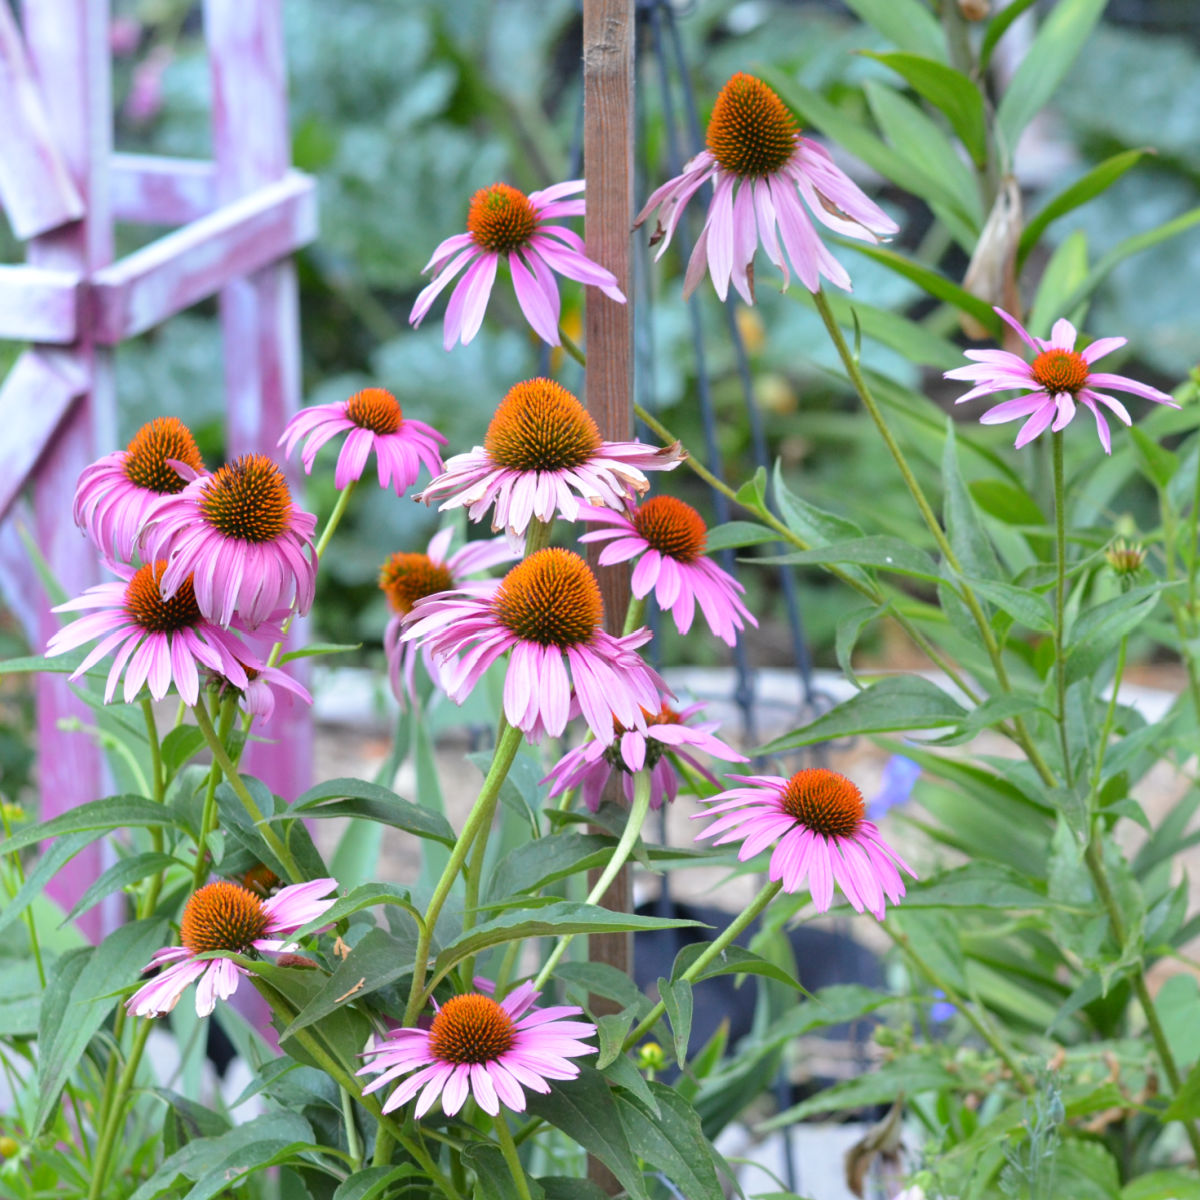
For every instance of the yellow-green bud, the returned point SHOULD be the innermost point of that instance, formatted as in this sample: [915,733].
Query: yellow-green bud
[9,1147]
[651,1057]
[1125,558]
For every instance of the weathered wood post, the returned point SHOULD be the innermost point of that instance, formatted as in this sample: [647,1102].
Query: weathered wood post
[608,127]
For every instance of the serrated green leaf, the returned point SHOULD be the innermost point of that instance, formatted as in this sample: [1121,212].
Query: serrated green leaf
[677,1000]
[977,885]
[894,703]
[673,1142]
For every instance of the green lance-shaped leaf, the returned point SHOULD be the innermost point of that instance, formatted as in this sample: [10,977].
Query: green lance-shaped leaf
[97,817]
[371,802]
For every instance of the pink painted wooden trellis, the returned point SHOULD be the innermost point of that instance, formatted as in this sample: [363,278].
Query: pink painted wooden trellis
[239,217]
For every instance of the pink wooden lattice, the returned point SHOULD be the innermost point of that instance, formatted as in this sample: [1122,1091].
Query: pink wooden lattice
[239,219]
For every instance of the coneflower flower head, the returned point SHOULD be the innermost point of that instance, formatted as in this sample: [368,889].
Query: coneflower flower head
[408,577]
[504,223]
[225,916]
[815,821]
[668,732]
[155,641]
[548,612]
[115,494]
[764,172]
[1057,380]
[492,1050]
[670,536]
[239,534]
[542,454]
[374,421]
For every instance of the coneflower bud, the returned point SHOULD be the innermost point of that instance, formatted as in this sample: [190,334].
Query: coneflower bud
[1126,560]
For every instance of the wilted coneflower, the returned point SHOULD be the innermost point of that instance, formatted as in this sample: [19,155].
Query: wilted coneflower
[374,420]
[154,641]
[543,453]
[547,611]
[667,734]
[758,161]
[407,578]
[116,493]
[503,223]
[670,537]
[1059,378]
[815,821]
[239,534]
[478,1046]
[225,916]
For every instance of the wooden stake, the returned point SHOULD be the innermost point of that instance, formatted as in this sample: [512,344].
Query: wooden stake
[608,76]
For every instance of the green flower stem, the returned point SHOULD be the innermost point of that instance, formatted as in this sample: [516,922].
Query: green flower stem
[480,817]
[1094,857]
[30,923]
[208,819]
[1109,717]
[115,1110]
[864,589]
[384,1145]
[509,1149]
[537,536]
[158,786]
[635,614]
[243,794]
[572,349]
[633,828]
[714,950]
[981,1027]
[353,1141]
[969,598]
[1060,595]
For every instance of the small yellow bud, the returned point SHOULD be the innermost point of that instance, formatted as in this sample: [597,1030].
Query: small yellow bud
[1125,558]
[9,1147]
[651,1057]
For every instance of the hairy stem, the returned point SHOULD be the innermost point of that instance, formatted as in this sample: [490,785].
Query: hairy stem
[208,818]
[1060,596]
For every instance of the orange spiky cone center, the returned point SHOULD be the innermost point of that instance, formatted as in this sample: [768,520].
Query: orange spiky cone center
[248,499]
[672,527]
[540,426]
[375,409]
[551,598]
[147,608]
[471,1029]
[824,801]
[407,578]
[501,219]
[1060,371]
[146,456]
[222,916]
[751,132]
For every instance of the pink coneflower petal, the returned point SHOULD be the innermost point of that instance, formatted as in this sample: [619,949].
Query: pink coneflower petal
[503,223]
[764,173]
[542,454]
[224,916]
[477,1047]
[815,821]
[1058,380]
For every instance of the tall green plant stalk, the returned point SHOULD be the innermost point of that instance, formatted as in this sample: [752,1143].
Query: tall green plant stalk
[208,816]
[1060,597]
[477,823]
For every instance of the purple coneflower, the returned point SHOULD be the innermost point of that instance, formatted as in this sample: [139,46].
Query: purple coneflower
[816,824]
[407,578]
[115,494]
[160,641]
[374,420]
[667,735]
[670,537]
[257,698]
[543,453]
[225,916]
[503,223]
[758,161]
[239,534]
[1059,378]
[478,1046]
[548,612]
